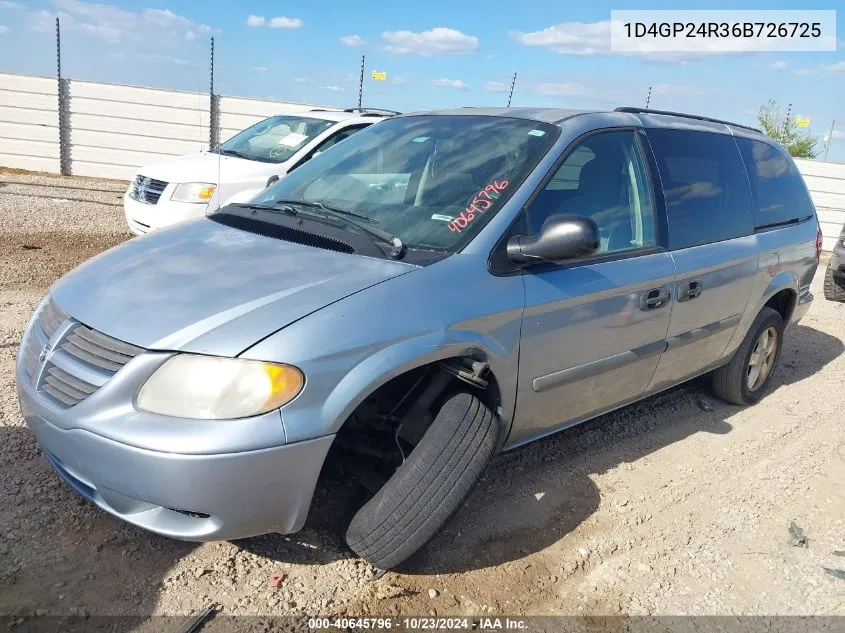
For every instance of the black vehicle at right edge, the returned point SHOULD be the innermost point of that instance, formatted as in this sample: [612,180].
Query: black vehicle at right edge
[834,276]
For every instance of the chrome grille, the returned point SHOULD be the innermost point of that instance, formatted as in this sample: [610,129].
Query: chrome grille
[50,318]
[98,349]
[29,355]
[82,359]
[47,321]
[64,387]
[147,190]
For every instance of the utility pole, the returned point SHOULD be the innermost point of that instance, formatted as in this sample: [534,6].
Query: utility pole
[829,138]
[648,98]
[510,95]
[361,83]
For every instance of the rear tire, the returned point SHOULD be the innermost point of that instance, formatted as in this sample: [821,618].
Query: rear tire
[429,486]
[736,382]
[832,290]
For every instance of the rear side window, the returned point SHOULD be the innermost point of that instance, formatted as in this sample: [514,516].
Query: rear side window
[705,187]
[779,191]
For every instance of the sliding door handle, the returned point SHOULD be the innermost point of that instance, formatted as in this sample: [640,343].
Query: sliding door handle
[654,298]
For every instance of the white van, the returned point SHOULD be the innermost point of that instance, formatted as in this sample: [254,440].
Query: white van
[191,186]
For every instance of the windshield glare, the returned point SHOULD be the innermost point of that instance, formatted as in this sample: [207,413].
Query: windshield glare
[431,180]
[276,139]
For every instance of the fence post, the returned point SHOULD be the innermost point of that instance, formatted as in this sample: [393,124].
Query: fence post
[510,94]
[213,107]
[64,108]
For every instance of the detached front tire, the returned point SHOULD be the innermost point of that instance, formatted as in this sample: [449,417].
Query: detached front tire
[429,486]
[745,379]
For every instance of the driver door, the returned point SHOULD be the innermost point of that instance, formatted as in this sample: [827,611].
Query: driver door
[594,329]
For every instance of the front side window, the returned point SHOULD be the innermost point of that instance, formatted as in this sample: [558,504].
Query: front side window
[705,186]
[432,180]
[274,140]
[604,178]
[777,185]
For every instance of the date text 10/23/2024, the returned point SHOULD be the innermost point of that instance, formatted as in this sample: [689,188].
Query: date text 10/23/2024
[482,201]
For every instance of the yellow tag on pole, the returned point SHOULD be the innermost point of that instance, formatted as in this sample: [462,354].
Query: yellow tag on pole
[381,76]
[802,122]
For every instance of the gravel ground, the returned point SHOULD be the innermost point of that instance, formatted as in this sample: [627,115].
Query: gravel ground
[659,508]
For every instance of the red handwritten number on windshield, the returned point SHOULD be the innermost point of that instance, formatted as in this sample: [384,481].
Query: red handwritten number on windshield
[482,201]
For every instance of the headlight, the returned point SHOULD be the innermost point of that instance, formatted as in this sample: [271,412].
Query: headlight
[210,388]
[193,192]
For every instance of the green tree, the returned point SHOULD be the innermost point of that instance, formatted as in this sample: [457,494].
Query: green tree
[775,125]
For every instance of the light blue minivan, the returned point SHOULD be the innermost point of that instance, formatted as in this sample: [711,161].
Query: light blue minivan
[435,289]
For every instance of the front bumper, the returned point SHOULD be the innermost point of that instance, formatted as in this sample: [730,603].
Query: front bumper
[143,218]
[194,497]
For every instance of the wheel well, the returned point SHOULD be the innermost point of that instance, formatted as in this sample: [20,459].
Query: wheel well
[783,302]
[375,439]
[425,385]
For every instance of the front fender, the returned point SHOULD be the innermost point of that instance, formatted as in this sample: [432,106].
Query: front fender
[350,348]
[404,356]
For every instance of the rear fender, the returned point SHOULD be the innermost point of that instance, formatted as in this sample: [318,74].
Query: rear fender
[782,280]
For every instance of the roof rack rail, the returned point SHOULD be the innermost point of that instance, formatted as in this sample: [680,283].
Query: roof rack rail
[372,111]
[696,117]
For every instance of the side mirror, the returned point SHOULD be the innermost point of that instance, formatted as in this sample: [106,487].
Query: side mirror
[562,237]
[272,180]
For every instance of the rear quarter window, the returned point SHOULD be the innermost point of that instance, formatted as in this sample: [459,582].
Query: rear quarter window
[776,184]
[704,185]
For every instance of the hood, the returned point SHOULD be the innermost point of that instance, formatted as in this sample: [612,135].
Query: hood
[203,167]
[207,288]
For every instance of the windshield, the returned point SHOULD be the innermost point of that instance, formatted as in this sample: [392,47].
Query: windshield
[431,180]
[274,140]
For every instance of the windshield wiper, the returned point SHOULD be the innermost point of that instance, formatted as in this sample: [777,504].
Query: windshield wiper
[398,247]
[328,207]
[284,206]
[329,216]
[232,152]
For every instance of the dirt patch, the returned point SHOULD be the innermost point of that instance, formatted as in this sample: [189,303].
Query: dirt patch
[33,261]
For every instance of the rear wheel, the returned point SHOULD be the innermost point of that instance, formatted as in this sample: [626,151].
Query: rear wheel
[429,486]
[832,290]
[744,380]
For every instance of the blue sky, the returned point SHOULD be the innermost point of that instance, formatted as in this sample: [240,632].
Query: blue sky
[438,53]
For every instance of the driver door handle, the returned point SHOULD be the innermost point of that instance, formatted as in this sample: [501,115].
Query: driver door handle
[655,298]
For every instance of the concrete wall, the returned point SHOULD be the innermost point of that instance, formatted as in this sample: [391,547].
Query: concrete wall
[29,123]
[112,129]
[116,129]
[826,182]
